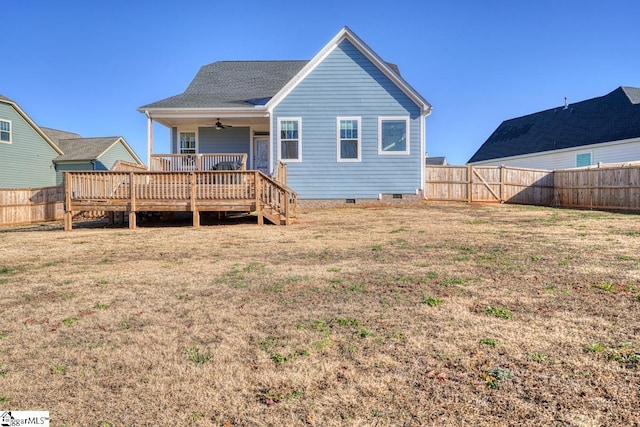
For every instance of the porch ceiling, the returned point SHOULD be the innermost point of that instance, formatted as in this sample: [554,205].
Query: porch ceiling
[210,121]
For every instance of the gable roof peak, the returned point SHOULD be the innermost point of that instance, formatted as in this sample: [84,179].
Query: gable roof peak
[633,93]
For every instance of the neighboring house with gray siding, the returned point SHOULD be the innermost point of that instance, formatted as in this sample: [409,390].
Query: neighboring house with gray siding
[85,154]
[346,123]
[34,156]
[26,152]
[605,129]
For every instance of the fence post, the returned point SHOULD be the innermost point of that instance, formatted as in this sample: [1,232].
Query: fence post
[469,183]
[502,178]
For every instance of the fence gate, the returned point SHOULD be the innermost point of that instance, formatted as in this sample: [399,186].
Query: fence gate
[489,184]
[485,184]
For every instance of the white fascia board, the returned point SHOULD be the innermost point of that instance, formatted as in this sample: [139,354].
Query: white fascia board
[346,34]
[560,150]
[34,126]
[204,112]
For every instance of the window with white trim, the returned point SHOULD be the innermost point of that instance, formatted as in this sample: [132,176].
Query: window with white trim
[583,159]
[187,143]
[289,141]
[393,135]
[5,131]
[349,139]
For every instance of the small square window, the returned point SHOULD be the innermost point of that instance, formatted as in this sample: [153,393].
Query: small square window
[393,135]
[583,159]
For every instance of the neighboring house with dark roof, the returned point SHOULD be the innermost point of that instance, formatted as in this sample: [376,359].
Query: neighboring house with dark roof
[34,156]
[346,123]
[599,130]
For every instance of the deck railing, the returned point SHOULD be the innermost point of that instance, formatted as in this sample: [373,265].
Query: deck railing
[186,191]
[278,197]
[195,162]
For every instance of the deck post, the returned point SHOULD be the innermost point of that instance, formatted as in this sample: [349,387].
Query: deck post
[286,207]
[132,204]
[68,213]
[258,190]
[192,195]
[149,139]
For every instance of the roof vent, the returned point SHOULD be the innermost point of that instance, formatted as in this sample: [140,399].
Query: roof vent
[566,104]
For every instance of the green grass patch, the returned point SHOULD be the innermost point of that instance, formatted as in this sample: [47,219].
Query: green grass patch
[499,312]
[495,376]
[489,342]
[195,356]
[453,281]
[69,321]
[431,301]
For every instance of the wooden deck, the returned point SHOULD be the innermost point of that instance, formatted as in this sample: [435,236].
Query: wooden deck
[196,191]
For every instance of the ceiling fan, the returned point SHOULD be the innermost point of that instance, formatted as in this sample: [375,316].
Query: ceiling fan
[220,126]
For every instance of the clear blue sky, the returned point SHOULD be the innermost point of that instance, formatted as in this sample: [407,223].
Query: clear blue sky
[86,66]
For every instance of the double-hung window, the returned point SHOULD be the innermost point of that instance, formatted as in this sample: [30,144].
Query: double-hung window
[187,143]
[393,135]
[5,131]
[289,138]
[349,139]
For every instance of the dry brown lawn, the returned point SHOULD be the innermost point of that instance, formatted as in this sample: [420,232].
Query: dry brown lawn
[440,314]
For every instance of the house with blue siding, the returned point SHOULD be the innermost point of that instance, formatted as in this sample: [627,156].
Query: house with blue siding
[346,124]
[34,156]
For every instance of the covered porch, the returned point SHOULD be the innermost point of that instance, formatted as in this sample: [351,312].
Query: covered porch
[208,140]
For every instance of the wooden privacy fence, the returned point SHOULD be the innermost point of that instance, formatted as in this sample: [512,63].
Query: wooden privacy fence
[488,184]
[27,205]
[601,187]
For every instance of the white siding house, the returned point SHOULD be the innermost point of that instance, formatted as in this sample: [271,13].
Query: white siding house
[599,130]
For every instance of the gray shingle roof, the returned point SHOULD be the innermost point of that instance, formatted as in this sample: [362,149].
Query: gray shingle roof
[56,135]
[84,148]
[435,161]
[236,84]
[77,148]
[233,84]
[612,117]
[4,98]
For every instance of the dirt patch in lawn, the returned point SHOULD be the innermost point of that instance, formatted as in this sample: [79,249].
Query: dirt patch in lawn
[441,314]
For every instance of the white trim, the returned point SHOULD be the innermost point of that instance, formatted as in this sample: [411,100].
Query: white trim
[359,139]
[423,151]
[299,120]
[25,116]
[561,150]
[405,152]
[346,34]
[187,130]
[10,141]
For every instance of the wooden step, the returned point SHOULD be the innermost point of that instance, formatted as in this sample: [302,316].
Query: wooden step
[274,216]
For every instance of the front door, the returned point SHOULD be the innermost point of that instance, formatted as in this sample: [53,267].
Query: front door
[261,154]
